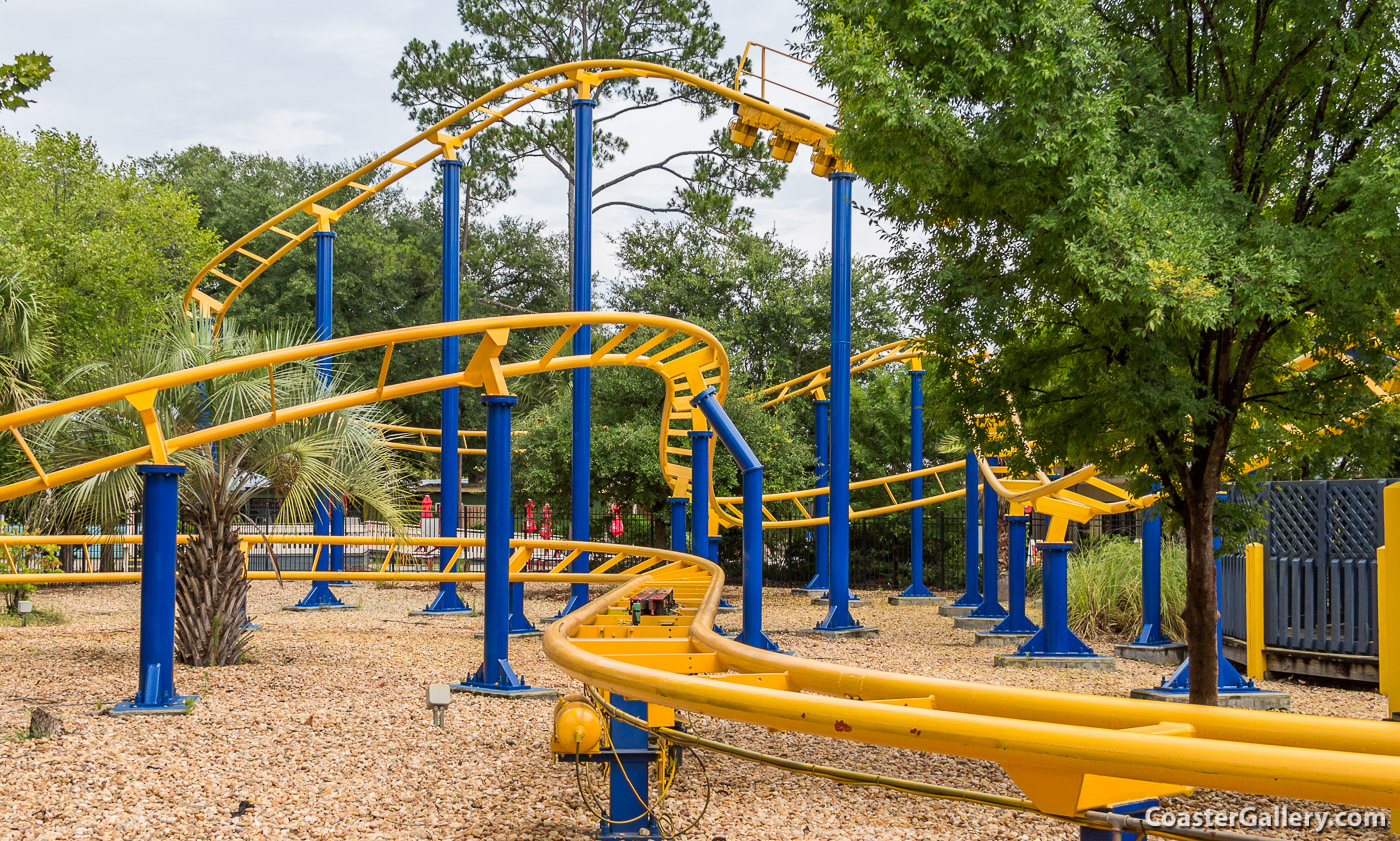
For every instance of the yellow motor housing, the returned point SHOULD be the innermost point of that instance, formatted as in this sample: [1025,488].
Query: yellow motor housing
[578,728]
[742,133]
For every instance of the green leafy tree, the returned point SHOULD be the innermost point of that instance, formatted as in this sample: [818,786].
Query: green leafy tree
[105,248]
[510,39]
[627,421]
[1127,216]
[768,302]
[387,252]
[26,73]
[303,461]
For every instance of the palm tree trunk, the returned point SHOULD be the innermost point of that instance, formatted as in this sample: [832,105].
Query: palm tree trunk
[211,592]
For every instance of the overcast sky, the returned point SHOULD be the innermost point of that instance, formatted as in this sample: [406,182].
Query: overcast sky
[311,78]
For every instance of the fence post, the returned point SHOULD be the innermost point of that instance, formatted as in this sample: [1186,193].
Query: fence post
[1387,602]
[1254,610]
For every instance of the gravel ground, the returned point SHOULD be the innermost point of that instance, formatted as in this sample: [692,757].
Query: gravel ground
[326,735]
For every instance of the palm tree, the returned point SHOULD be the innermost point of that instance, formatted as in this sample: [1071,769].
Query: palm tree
[26,339]
[306,462]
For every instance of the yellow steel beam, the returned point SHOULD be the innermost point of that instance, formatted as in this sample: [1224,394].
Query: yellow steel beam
[1097,748]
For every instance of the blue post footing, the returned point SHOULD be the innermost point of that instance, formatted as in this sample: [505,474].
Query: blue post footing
[972,595]
[1055,639]
[155,692]
[1228,678]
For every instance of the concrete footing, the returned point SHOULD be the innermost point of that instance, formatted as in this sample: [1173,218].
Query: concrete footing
[976,623]
[848,633]
[728,609]
[852,602]
[300,609]
[1264,699]
[811,594]
[1096,662]
[900,601]
[467,613]
[1171,654]
[989,638]
[956,609]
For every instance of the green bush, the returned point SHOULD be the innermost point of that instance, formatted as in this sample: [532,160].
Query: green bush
[1105,588]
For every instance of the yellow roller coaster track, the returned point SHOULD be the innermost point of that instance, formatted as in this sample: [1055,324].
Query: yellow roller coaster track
[238,265]
[688,359]
[1069,753]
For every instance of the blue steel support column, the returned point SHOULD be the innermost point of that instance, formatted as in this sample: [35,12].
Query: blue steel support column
[990,607]
[677,523]
[160,517]
[972,596]
[580,494]
[338,529]
[449,460]
[700,492]
[1055,639]
[495,676]
[320,595]
[1151,633]
[752,471]
[916,588]
[627,778]
[822,533]
[838,616]
[1016,621]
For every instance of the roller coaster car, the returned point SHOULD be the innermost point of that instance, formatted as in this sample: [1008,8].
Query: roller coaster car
[654,603]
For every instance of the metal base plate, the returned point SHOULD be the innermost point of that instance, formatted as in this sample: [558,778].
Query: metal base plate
[500,692]
[851,603]
[469,613]
[182,705]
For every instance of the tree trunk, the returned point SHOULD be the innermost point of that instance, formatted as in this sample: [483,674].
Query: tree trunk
[1200,611]
[211,594]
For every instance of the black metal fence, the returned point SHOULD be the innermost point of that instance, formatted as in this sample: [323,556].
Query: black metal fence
[879,552]
[1319,567]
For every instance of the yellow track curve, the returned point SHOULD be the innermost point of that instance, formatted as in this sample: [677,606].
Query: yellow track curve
[1068,753]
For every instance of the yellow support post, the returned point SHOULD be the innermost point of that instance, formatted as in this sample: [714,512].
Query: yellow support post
[1254,610]
[1388,602]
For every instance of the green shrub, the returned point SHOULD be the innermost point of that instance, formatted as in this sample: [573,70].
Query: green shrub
[1105,588]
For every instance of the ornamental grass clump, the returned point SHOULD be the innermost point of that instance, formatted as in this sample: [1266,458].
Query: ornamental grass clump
[1105,589]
